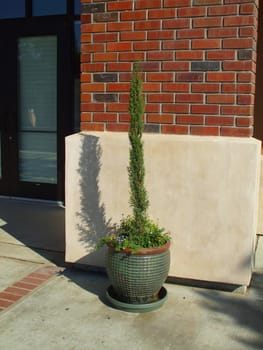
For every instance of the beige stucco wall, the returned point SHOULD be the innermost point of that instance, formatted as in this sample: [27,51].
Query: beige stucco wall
[260,212]
[204,190]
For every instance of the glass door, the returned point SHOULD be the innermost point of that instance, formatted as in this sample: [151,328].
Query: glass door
[36,110]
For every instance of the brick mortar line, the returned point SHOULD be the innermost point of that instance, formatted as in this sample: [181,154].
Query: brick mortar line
[24,287]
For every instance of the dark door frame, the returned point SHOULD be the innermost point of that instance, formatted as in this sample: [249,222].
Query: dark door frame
[12,30]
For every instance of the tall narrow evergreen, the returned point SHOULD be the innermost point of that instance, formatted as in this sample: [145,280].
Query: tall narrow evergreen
[136,231]
[136,170]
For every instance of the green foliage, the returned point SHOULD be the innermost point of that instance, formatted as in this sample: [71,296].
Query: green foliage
[128,237]
[136,171]
[136,231]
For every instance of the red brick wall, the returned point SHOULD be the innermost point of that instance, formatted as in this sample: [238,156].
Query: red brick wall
[198,58]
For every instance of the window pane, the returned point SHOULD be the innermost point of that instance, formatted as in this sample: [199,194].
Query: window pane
[77,36]
[77,77]
[76,105]
[0,156]
[38,157]
[12,9]
[37,86]
[77,7]
[38,83]
[49,7]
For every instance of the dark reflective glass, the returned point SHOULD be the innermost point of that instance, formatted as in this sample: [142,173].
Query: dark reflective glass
[77,7]
[12,9]
[76,77]
[0,158]
[77,35]
[49,7]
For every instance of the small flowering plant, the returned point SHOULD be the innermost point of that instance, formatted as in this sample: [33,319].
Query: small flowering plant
[137,231]
[128,238]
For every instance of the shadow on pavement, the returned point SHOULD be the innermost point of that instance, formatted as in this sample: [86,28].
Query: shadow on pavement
[34,224]
[245,311]
[92,281]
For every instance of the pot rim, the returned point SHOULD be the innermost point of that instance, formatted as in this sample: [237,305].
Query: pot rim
[144,251]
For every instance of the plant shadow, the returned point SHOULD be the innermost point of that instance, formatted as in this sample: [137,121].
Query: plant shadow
[92,281]
[244,311]
[92,223]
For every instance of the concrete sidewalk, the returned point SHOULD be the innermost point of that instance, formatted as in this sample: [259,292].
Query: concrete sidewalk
[69,311]
[64,308]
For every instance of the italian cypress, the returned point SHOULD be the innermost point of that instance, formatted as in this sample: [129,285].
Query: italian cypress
[136,170]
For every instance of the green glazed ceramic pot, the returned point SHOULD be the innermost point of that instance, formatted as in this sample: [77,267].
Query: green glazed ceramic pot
[138,278]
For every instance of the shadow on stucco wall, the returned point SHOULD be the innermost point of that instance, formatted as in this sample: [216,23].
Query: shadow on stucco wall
[92,222]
